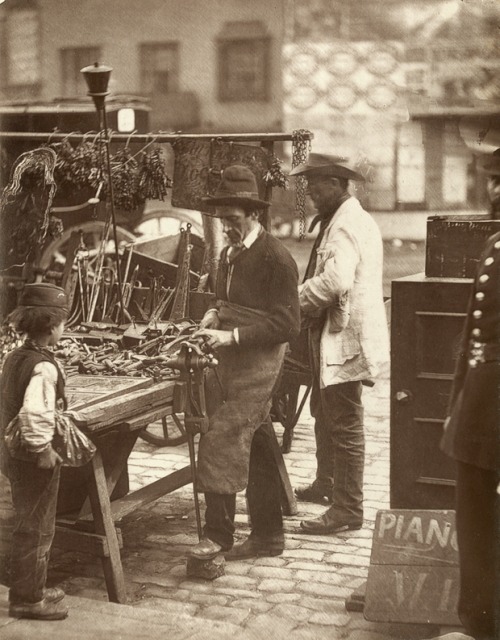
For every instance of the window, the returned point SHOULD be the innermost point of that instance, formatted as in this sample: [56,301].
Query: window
[160,68]
[72,62]
[244,58]
[22,46]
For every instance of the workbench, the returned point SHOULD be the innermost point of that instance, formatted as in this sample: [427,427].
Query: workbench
[113,411]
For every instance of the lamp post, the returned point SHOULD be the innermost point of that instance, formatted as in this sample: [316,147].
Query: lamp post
[97,79]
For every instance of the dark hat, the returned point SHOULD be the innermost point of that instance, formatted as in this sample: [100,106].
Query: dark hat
[43,294]
[322,164]
[238,186]
[490,163]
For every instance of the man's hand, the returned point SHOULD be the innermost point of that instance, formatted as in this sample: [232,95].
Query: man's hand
[210,320]
[48,459]
[215,338]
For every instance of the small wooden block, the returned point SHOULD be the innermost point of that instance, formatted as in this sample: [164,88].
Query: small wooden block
[207,569]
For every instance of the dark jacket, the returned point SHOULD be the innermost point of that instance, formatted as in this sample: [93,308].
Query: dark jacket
[474,428]
[264,278]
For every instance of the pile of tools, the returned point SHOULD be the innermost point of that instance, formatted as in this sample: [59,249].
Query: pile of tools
[142,351]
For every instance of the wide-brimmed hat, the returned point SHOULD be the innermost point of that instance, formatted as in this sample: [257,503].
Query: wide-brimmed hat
[43,294]
[490,163]
[238,186]
[323,164]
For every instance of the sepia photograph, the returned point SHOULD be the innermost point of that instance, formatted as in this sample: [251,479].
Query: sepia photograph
[250,319]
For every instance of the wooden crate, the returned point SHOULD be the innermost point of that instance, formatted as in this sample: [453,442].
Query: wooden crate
[454,244]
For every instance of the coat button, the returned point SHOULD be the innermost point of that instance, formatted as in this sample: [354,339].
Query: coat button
[476,332]
[489,261]
[497,245]
[484,278]
[479,295]
[473,363]
[477,314]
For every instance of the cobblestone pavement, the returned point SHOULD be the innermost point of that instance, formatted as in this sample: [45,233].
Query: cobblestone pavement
[300,594]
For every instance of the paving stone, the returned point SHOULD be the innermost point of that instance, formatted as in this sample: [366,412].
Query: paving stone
[277,573]
[345,559]
[292,612]
[251,603]
[236,582]
[328,577]
[216,612]
[323,589]
[269,626]
[333,620]
[270,584]
[278,561]
[326,605]
[282,597]
[169,607]
[301,552]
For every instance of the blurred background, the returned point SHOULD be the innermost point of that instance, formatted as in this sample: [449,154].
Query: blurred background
[406,89]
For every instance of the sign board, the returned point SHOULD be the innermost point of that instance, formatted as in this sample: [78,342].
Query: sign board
[413,575]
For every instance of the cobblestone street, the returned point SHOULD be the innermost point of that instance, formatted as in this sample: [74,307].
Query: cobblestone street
[300,594]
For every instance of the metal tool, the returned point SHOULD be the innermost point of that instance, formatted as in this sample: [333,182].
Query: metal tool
[189,397]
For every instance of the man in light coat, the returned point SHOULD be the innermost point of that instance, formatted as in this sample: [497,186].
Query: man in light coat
[341,302]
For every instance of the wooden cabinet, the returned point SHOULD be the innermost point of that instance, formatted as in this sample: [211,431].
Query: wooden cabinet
[427,317]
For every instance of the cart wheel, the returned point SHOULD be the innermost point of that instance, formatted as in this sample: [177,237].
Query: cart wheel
[54,254]
[170,433]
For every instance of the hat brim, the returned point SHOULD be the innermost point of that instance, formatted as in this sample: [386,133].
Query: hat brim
[237,201]
[489,165]
[336,171]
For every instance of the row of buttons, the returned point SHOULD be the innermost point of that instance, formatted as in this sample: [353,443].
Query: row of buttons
[476,352]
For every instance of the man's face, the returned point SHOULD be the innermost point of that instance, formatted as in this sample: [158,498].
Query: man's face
[493,190]
[324,191]
[236,223]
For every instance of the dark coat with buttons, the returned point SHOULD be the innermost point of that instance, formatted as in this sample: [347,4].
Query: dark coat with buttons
[473,432]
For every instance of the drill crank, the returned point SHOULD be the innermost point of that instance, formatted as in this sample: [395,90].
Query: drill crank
[189,398]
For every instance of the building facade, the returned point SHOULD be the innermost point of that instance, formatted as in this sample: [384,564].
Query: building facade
[203,66]
[389,84]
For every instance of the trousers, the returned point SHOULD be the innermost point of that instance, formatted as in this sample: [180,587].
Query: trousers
[263,496]
[340,445]
[34,498]
[478,533]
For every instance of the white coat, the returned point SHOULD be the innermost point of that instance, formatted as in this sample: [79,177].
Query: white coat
[348,283]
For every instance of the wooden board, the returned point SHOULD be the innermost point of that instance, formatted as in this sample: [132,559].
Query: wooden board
[414,574]
[113,411]
[87,390]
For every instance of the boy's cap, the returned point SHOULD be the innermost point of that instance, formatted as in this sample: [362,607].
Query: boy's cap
[43,294]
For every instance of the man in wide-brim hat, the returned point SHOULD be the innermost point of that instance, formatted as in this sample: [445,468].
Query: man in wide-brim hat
[256,314]
[342,308]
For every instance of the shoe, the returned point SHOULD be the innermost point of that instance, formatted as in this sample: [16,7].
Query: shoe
[53,594]
[314,493]
[257,546]
[206,549]
[326,523]
[43,610]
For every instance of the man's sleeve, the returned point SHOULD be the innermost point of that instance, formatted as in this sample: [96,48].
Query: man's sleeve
[340,257]
[37,415]
[282,322]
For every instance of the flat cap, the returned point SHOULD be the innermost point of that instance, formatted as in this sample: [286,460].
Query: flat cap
[323,164]
[43,294]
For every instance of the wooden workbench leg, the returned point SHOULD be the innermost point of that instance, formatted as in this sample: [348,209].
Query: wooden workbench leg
[288,502]
[104,525]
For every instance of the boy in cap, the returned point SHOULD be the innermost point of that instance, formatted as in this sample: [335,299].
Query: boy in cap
[31,386]
[341,302]
[256,314]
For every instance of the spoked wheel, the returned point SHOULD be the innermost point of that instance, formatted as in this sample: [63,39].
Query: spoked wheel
[169,432]
[54,254]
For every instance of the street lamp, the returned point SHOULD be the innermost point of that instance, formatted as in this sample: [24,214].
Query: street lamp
[97,79]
